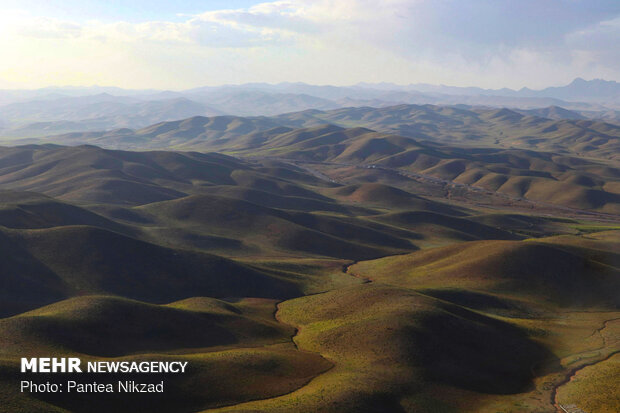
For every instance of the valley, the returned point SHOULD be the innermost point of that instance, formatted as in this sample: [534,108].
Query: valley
[317,267]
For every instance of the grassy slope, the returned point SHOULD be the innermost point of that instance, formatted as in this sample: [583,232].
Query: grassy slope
[566,300]
[41,266]
[108,326]
[594,388]
[546,270]
[390,344]
[30,210]
[399,345]
[388,341]
[232,349]
[111,326]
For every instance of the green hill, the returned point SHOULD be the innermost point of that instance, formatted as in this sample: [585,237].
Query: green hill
[261,227]
[584,275]
[392,346]
[41,266]
[30,210]
[111,326]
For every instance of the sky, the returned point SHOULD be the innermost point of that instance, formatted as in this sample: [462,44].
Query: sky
[181,44]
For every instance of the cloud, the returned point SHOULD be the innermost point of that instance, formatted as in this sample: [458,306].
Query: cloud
[491,43]
[603,36]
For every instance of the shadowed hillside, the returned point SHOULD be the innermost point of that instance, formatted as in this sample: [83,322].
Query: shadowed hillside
[110,326]
[224,344]
[41,266]
[262,226]
[90,174]
[579,275]
[30,210]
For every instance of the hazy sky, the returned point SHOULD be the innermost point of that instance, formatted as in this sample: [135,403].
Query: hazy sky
[186,43]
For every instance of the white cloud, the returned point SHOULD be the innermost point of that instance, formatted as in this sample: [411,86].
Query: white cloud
[484,42]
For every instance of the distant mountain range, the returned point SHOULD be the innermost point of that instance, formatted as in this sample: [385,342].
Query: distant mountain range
[579,90]
[31,113]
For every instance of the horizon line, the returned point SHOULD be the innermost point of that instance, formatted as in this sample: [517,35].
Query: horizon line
[358,84]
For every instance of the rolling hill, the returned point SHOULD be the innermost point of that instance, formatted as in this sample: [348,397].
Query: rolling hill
[90,174]
[547,270]
[418,337]
[536,175]
[227,205]
[475,127]
[549,129]
[390,346]
[568,162]
[314,267]
[222,342]
[31,210]
[41,266]
[83,325]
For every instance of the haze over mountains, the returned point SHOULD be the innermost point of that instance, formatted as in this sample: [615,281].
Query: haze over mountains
[25,113]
